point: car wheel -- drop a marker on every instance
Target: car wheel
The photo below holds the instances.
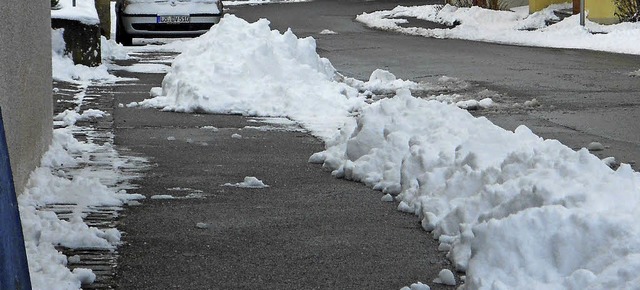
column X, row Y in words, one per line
column 121, row 35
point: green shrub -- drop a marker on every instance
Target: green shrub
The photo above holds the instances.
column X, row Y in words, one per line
column 628, row 10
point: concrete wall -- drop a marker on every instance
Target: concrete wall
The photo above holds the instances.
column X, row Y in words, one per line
column 25, row 83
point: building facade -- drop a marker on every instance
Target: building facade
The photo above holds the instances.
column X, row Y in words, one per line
column 25, row 83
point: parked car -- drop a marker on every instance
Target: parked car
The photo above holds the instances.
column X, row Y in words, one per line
column 165, row 18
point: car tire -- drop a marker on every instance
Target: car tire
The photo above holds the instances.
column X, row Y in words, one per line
column 121, row 35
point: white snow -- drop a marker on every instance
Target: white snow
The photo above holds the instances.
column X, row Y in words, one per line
column 249, row 182
column 387, row 198
column 274, row 74
column 328, row 32
column 236, row 136
column 70, row 117
column 513, row 210
column 75, row 176
column 162, row 196
column 595, row 146
column 500, row 200
column 202, row 225
column 212, row 128
column 510, row 27
column 445, row 277
column 84, row 11
column 59, row 181
column 65, row 70
column 417, row 286
column 155, row 68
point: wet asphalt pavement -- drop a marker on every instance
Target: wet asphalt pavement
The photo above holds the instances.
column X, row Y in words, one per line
column 309, row 230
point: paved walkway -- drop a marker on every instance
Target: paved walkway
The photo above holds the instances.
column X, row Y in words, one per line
column 308, row 230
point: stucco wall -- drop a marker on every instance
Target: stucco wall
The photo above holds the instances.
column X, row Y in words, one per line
column 25, row 83
column 602, row 11
column 537, row 5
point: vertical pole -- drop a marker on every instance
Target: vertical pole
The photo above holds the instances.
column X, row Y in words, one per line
column 74, row 3
column 14, row 271
column 582, row 16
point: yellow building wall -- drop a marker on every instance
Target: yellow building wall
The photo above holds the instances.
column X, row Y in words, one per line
column 601, row 11
column 537, row 5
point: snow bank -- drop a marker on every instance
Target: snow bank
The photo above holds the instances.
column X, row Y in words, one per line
column 63, row 68
column 510, row 27
column 84, row 11
column 513, row 210
column 243, row 68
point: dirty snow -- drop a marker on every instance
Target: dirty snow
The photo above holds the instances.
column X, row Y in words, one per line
column 78, row 176
column 59, row 181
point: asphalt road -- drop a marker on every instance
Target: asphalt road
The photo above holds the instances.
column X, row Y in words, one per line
column 308, row 230
column 585, row 96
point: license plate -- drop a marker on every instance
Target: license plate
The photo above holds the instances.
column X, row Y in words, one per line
column 172, row 19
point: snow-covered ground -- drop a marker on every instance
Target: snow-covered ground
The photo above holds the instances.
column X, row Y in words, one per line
column 75, row 179
column 510, row 27
column 511, row 210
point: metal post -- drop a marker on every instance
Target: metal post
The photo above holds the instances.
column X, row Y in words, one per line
column 582, row 16
column 74, row 3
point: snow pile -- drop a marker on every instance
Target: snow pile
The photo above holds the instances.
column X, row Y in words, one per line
column 63, row 68
column 244, row 68
column 83, row 11
column 513, row 210
column 249, row 182
column 110, row 50
column 510, row 27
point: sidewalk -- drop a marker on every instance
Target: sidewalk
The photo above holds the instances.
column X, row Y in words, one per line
column 307, row 230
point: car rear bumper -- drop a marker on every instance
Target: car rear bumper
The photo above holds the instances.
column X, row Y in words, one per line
column 148, row 26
